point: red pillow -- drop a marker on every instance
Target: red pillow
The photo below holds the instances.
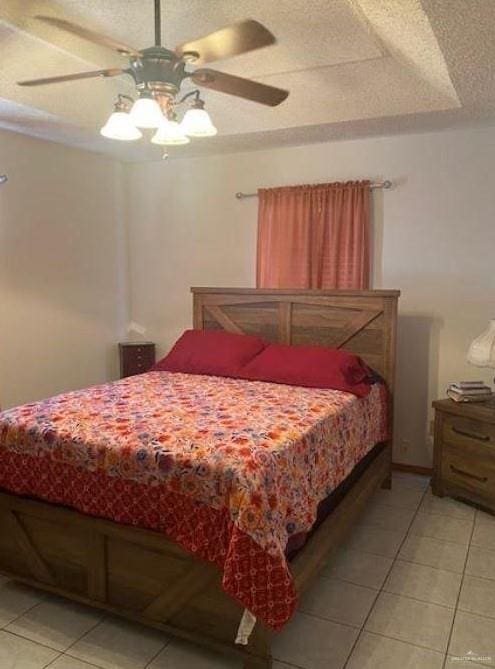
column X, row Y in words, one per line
column 214, row 352
column 312, row 367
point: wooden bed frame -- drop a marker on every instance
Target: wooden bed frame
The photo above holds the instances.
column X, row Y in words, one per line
column 141, row 575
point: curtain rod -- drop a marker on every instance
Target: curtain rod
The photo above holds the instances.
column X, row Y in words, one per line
column 379, row 184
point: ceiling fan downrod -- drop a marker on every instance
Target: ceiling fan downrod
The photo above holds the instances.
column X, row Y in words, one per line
column 158, row 24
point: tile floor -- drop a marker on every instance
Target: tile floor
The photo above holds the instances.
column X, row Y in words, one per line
column 413, row 588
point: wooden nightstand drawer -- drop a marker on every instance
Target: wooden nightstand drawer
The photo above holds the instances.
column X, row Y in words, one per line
column 470, row 467
column 131, row 367
column 142, row 350
column 465, row 431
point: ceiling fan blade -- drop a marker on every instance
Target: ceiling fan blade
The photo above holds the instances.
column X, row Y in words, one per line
column 72, row 77
column 91, row 35
column 229, row 41
column 242, row 88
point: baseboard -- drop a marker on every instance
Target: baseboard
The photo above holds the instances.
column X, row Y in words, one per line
column 412, row 469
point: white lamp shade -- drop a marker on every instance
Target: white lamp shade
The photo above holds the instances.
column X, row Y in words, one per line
column 120, row 126
column 482, row 351
column 146, row 113
column 170, row 133
column 197, row 123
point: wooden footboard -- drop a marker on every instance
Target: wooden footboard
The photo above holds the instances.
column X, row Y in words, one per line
column 131, row 572
column 141, row 575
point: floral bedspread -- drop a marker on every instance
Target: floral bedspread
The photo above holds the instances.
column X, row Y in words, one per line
column 228, row 468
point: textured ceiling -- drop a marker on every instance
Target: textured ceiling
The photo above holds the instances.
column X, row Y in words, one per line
column 353, row 68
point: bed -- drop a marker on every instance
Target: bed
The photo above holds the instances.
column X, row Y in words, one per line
column 197, row 586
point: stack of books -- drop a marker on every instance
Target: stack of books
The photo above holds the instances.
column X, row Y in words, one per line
column 469, row 391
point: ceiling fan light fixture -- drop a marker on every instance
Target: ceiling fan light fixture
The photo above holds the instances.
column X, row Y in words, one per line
column 120, row 126
column 170, row 133
column 146, row 113
column 197, row 123
column 158, row 74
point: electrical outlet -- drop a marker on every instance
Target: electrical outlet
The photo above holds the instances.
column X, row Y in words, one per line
column 404, row 446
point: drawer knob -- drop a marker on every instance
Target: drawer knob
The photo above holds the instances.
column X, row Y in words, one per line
column 472, row 435
column 461, row 472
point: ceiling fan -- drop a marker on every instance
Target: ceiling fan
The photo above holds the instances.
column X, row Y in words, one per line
column 159, row 73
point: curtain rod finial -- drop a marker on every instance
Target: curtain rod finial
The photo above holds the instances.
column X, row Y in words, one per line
column 239, row 195
column 387, row 184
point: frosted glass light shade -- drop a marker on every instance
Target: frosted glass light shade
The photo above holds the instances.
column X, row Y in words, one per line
column 170, row 133
column 197, row 123
column 120, row 126
column 146, row 113
column 482, row 351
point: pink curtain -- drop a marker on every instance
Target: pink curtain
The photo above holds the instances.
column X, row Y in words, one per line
column 314, row 236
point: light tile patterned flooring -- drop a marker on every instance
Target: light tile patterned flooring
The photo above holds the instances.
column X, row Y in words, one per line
column 413, row 588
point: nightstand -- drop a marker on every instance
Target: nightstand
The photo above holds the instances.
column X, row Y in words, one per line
column 464, row 455
column 136, row 357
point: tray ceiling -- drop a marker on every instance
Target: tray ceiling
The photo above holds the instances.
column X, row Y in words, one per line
column 353, row 68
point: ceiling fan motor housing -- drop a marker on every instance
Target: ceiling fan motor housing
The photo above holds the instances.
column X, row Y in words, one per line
column 158, row 70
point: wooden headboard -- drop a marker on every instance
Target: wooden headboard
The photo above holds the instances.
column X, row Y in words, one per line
column 361, row 321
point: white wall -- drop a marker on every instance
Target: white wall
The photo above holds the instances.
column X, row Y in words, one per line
column 62, row 268
column 435, row 240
